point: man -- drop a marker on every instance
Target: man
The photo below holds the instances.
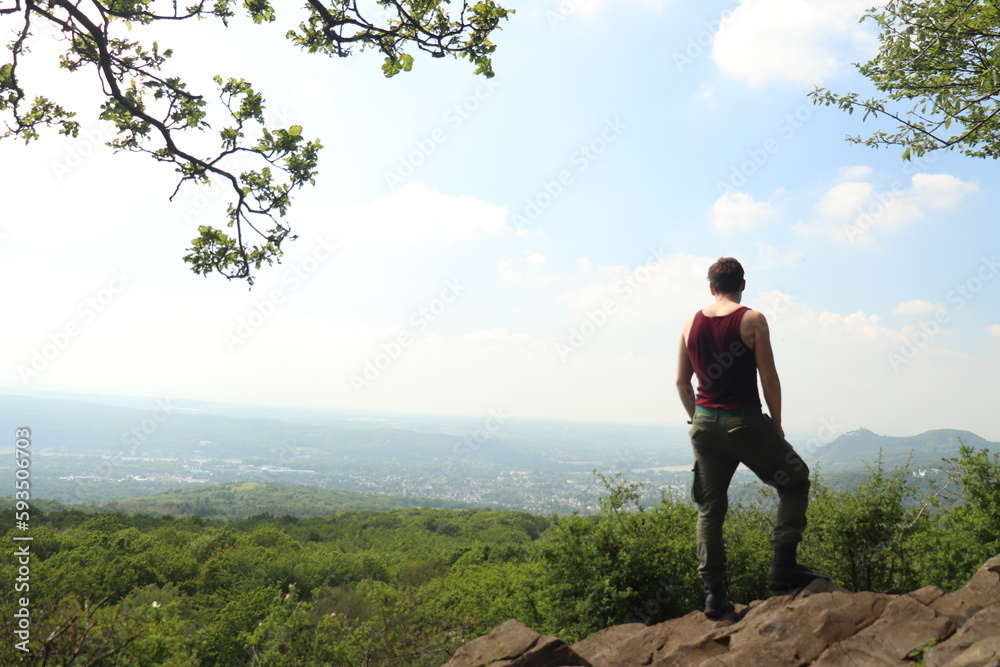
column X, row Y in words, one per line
column 725, row 345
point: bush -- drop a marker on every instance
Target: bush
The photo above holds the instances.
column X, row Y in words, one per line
column 627, row 564
column 860, row 537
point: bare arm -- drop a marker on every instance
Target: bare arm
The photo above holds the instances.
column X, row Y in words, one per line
column 684, row 372
column 760, row 340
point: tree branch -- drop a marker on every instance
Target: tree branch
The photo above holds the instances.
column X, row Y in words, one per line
column 151, row 110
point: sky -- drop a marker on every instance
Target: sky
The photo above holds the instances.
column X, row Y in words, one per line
column 528, row 245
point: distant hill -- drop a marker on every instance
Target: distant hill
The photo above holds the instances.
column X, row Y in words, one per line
column 175, row 429
column 244, row 499
column 853, row 450
column 192, row 429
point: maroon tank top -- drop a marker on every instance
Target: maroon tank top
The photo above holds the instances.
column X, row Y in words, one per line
column 725, row 367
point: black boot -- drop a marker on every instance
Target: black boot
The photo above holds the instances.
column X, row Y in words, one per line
column 717, row 601
column 786, row 573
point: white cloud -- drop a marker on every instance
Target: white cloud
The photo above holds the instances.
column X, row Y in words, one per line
column 855, row 211
column 587, row 8
column 833, row 366
column 658, row 289
column 706, row 93
column 941, row 190
column 525, row 271
column 811, row 229
column 917, row 307
column 769, row 257
column 993, row 330
column 858, row 325
column 844, row 199
column 801, row 41
column 737, row 211
column 854, row 173
column 415, row 213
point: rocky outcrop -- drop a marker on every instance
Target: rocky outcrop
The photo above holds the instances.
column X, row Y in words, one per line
column 821, row 625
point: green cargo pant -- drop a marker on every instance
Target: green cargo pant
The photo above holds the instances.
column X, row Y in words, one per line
column 720, row 444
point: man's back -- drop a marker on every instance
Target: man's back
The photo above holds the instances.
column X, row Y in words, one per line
column 724, row 365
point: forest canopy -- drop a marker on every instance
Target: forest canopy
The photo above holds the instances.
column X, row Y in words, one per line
column 406, row 587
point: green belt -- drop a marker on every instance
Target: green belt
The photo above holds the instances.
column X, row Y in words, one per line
column 722, row 412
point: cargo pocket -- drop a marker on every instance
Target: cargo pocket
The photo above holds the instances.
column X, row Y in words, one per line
column 696, row 494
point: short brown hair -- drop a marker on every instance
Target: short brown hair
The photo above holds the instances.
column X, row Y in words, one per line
column 726, row 275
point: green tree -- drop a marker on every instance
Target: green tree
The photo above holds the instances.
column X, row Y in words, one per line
column 474, row 598
column 860, row 537
column 154, row 110
column 937, row 73
column 968, row 533
column 627, row 564
column 979, row 476
column 227, row 640
column 747, row 534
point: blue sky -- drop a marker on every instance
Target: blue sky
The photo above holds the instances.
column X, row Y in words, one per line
column 532, row 243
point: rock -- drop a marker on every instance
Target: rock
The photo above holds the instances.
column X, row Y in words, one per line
column 799, row 629
column 905, row 624
column 513, row 644
column 821, row 625
column 985, row 653
column 985, row 624
column 600, row 647
column 927, row 594
column 981, row 591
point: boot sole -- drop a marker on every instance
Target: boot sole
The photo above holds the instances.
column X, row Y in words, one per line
column 719, row 613
column 787, row 586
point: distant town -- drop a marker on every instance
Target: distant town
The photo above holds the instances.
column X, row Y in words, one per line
column 86, row 452
column 79, row 478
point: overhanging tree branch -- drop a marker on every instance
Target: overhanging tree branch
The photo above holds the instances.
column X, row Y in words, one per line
column 152, row 112
column 938, row 67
